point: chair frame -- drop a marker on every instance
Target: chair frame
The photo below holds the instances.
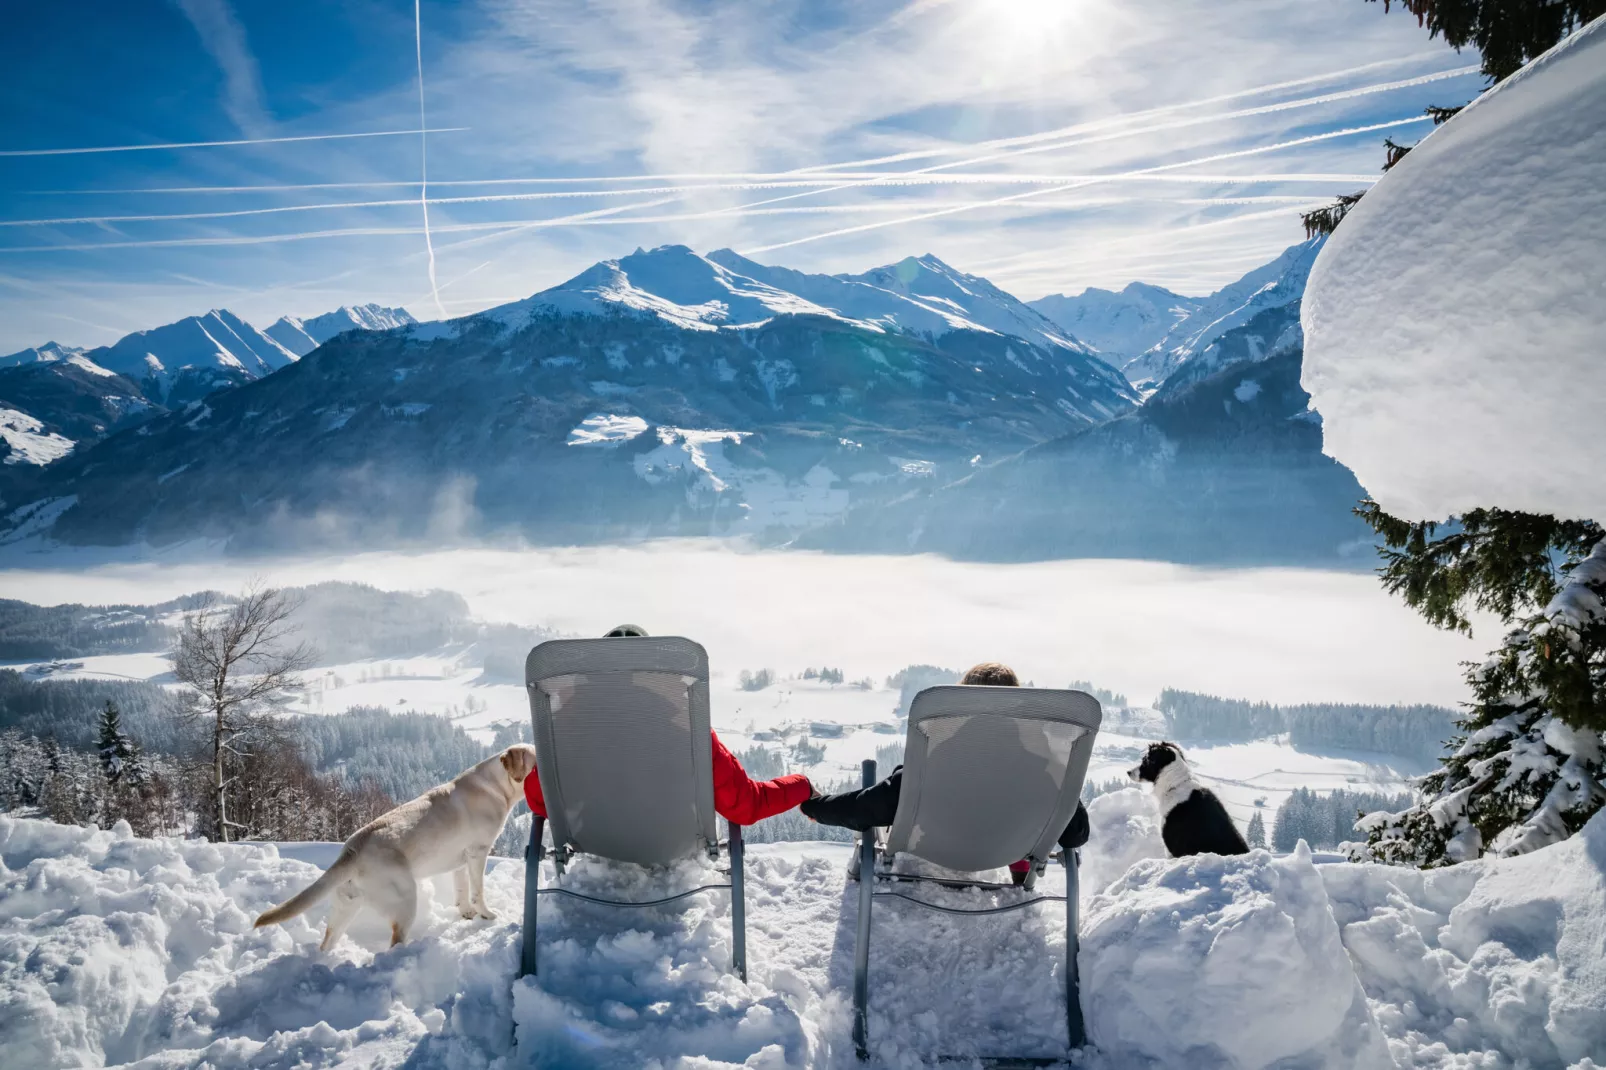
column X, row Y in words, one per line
column 536, row 851
column 873, row 859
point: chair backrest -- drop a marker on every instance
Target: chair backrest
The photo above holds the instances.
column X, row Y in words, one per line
column 991, row 775
column 622, row 745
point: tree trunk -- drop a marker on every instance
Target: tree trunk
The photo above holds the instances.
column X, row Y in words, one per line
column 217, row 779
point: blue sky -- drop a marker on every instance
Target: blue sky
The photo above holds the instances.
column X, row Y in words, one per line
column 1047, row 144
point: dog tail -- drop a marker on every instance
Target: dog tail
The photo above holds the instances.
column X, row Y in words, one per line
column 315, row 892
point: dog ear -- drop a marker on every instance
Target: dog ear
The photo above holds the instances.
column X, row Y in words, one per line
column 519, row 761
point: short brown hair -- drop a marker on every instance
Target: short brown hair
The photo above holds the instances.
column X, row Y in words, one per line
column 993, row 673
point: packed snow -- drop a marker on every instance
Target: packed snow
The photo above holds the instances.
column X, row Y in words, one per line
column 116, row 950
column 1454, row 321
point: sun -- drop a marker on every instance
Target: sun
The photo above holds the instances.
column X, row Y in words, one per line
column 1032, row 16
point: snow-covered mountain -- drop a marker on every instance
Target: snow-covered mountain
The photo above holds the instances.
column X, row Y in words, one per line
column 49, row 353
column 655, row 394
column 920, row 295
column 1135, row 315
column 1119, row 325
column 1222, row 463
column 303, row 336
column 191, row 358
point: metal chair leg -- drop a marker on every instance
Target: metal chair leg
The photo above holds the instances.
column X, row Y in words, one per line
column 532, row 885
column 861, row 943
column 1075, row 1028
column 738, row 905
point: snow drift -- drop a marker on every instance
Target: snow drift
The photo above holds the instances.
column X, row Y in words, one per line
column 1453, row 323
column 118, row 950
column 1231, row 962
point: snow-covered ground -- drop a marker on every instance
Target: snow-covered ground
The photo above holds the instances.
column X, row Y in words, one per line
column 116, row 950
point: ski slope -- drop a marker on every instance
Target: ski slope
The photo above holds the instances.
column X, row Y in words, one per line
column 121, row 951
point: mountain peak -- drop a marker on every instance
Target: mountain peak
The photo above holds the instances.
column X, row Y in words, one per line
column 303, row 336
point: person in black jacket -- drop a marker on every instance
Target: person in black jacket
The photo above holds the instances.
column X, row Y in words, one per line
column 875, row 806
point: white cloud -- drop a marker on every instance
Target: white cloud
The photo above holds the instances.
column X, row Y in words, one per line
column 224, row 39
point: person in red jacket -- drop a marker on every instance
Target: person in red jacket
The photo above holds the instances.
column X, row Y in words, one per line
column 738, row 798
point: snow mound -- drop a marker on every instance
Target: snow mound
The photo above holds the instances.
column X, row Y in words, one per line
column 1453, row 323
column 1123, row 830
column 1499, row 959
column 1224, row 961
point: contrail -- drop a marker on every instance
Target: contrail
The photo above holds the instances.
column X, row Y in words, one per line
column 423, row 157
column 502, row 228
column 911, row 180
column 836, row 168
column 1116, row 120
column 219, row 144
column 1108, row 178
column 596, row 218
column 731, row 181
column 1054, row 143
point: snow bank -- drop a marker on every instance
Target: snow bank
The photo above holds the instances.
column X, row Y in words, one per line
column 117, row 950
column 1487, row 963
column 1230, row 962
column 1453, row 323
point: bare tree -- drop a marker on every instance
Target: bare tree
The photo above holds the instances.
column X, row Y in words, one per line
column 236, row 659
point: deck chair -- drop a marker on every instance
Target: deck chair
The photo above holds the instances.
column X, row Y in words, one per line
column 991, row 775
column 622, row 748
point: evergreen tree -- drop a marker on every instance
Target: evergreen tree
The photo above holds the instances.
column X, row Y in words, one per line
column 1257, row 831
column 1506, row 33
column 119, row 757
column 1528, row 765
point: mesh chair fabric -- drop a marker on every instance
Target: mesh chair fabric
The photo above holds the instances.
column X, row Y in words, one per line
column 622, row 745
column 991, row 774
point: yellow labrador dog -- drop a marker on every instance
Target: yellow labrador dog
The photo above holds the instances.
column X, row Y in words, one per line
column 448, row 828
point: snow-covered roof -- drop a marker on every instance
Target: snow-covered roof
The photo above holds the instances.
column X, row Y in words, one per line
column 1455, row 324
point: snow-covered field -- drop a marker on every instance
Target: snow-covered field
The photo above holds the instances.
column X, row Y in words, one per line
column 848, row 724
column 118, row 951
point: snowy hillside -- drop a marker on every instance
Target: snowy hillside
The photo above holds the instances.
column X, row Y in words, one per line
column 303, row 336
column 1249, row 962
column 66, row 400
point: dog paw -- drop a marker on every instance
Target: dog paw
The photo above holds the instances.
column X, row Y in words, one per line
column 487, row 913
column 468, row 913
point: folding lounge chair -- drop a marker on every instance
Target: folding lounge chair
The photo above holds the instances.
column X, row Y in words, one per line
column 991, row 775
column 622, row 748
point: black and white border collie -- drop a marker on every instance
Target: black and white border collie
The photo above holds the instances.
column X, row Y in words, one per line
column 1192, row 819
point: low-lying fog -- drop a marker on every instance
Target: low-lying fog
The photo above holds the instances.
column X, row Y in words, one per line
column 1281, row 635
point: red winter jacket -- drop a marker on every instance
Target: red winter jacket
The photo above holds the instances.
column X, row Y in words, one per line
column 738, row 798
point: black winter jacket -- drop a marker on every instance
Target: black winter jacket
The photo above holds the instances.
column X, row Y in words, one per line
column 875, row 806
